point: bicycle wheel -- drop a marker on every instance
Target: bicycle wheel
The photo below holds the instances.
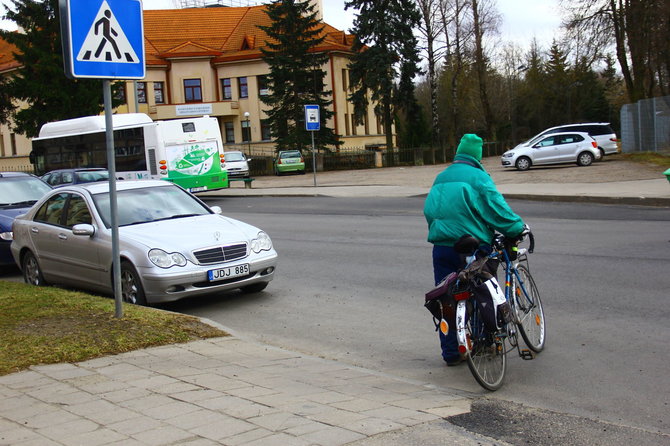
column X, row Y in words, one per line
column 487, row 359
column 528, row 310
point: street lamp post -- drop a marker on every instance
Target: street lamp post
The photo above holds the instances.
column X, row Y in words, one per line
column 248, row 135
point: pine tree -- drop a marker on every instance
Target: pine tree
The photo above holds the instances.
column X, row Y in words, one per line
column 41, row 82
column 385, row 49
column 296, row 75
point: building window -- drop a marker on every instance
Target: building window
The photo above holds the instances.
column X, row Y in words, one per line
column 266, row 132
column 353, row 124
column 345, row 83
column 366, row 124
column 192, row 90
column 2, row 145
column 244, row 88
column 246, row 131
column 230, row 131
column 141, row 92
column 346, row 124
column 226, row 89
column 159, row 93
column 379, row 124
column 263, row 89
column 120, row 93
column 12, row 142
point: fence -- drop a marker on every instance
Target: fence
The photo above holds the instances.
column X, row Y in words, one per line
column 361, row 158
column 27, row 168
column 645, row 125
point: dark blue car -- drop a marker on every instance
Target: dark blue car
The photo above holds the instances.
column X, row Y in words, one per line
column 18, row 192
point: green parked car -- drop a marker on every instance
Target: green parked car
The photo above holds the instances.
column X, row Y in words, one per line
column 289, row 161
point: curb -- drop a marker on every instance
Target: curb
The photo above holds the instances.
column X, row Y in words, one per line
column 626, row 201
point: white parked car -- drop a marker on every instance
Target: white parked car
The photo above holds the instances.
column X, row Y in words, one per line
column 237, row 164
column 572, row 147
column 172, row 245
column 602, row 132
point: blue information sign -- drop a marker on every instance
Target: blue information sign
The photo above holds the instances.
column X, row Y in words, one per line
column 312, row 121
column 103, row 39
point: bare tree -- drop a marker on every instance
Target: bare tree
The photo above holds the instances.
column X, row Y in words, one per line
column 431, row 28
column 457, row 36
column 485, row 19
column 639, row 31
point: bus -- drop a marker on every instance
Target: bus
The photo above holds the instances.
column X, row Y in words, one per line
column 187, row 152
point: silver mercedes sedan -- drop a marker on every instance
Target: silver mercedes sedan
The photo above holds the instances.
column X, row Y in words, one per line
column 172, row 245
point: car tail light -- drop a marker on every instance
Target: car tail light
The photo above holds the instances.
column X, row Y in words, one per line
column 613, row 139
column 279, row 161
column 594, row 144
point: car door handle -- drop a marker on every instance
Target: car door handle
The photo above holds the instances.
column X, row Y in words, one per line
column 34, row 230
column 62, row 236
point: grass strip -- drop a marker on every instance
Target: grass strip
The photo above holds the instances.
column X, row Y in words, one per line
column 46, row 325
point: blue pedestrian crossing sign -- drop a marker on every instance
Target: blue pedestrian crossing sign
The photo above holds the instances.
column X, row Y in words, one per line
column 312, row 121
column 103, row 39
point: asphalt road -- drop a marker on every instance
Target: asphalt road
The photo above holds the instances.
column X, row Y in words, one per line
column 353, row 272
column 350, row 287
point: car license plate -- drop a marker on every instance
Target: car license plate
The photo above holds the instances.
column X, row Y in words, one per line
column 228, row 273
column 198, row 189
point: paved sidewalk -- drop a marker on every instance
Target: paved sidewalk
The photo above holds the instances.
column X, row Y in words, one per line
column 223, row 391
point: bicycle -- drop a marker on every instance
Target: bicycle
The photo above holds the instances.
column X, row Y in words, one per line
column 485, row 346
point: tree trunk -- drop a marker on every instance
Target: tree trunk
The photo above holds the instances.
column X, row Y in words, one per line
column 480, row 66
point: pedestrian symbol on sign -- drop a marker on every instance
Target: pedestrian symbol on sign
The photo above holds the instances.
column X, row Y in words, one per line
column 106, row 41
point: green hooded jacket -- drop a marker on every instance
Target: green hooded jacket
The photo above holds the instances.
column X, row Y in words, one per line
column 464, row 200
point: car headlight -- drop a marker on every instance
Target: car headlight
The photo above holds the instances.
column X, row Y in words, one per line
column 163, row 259
column 8, row 236
column 508, row 154
column 262, row 242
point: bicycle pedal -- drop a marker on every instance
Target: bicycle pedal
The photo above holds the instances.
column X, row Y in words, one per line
column 526, row 354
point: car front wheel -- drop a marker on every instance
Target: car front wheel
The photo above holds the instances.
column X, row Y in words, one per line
column 523, row 163
column 585, row 159
column 131, row 286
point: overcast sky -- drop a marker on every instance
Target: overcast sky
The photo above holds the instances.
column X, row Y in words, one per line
column 522, row 19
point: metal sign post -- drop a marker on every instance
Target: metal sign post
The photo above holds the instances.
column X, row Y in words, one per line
column 312, row 124
column 104, row 39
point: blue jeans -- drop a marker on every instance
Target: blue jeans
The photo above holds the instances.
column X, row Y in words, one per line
column 446, row 261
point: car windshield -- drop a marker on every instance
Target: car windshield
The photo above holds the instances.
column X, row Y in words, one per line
column 21, row 190
column 92, row 176
column 149, row 204
column 293, row 154
column 234, row 156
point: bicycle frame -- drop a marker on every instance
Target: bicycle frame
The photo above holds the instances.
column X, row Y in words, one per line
column 465, row 344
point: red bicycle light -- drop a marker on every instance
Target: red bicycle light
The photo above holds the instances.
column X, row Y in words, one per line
column 465, row 295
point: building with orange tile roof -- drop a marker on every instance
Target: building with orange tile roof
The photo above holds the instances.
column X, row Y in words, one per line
column 208, row 61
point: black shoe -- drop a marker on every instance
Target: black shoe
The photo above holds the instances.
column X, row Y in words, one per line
column 455, row 362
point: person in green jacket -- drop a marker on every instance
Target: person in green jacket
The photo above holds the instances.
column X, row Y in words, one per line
column 464, row 200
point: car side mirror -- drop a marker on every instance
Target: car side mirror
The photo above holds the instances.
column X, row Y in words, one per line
column 216, row 209
column 83, row 229
column 248, row 159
